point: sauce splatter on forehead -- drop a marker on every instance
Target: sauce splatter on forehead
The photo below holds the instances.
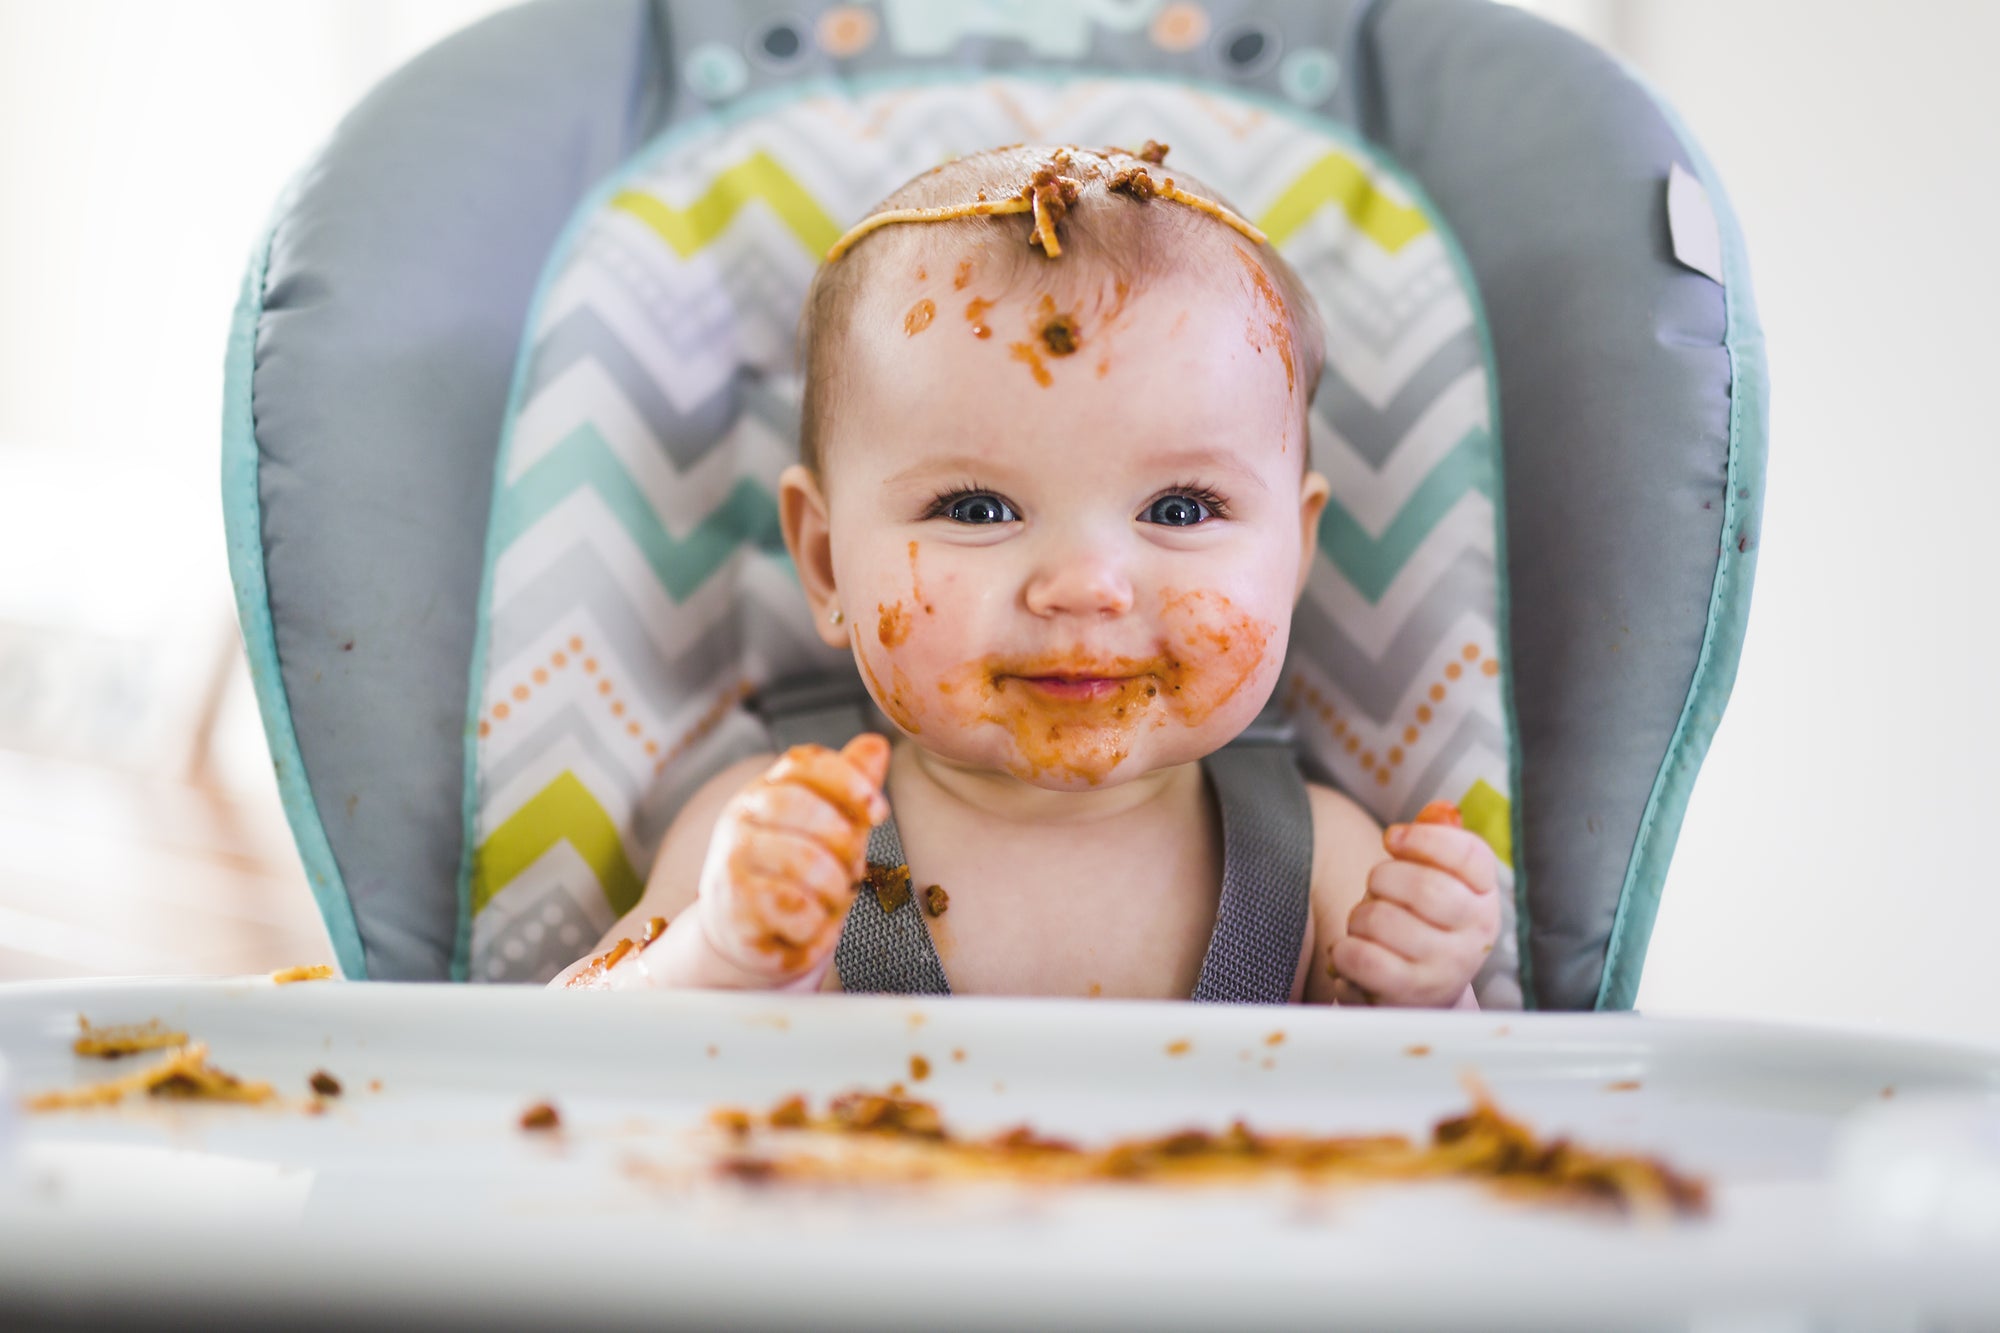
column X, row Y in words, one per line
column 1032, row 356
column 919, row 317
column 1270, row 322
column 1057, row 329
column 975, row 315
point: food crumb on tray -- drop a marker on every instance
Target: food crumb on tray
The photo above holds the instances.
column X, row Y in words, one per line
column 311, row 972
column 325, row 1084
column 185, row 1074
column 111, row 1042
column 541, row 1116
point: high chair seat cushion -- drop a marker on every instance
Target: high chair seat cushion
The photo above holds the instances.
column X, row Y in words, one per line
column 638, row 591
column 607, row 206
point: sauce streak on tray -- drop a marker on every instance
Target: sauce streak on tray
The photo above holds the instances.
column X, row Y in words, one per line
column 908, row 1141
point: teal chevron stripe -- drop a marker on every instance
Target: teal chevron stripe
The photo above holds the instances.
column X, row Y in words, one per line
column 747, row 515
column 1372, row 563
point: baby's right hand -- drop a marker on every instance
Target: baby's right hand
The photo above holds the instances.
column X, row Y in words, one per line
column 786, row 855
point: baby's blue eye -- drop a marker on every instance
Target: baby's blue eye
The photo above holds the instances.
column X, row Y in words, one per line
column 1177, row 511
column 980, row 508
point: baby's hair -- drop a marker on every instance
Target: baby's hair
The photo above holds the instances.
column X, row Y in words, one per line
column 1049, row 193
column 1102, row 210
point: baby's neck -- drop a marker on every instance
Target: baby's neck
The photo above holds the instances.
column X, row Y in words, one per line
column 1002, row 797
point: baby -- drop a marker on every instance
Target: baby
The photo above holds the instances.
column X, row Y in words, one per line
column 1055, row 499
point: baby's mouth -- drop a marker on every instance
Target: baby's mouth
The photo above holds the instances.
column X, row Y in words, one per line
column 1084, row 681
column 1077, row 687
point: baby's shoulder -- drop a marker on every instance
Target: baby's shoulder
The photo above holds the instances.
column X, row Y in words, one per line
column 704, row 807
column 1347, row 842
column 678, row 862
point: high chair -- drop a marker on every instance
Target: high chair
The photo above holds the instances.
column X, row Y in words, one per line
column 512, row 378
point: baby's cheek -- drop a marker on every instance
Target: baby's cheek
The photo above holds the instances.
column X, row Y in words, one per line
column 891, row 686
column 1220, row 657
column 895, row 647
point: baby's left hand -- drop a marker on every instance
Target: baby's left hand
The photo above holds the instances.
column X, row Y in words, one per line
column 1429, row 917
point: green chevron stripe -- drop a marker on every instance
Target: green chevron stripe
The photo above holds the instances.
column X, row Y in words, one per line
column 1338, row 179
column 747, row 515
column 563, row 811
column 1490, row 815
column 757, row 176
column 1372, row 563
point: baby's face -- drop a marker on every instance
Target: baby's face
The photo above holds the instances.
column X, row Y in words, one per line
column 1067, row 534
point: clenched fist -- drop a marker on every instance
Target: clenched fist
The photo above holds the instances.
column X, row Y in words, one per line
column 1430, row 916
column 785, row 856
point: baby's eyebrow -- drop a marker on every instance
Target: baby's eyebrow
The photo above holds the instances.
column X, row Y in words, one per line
column 1182, row 464
column 1204, row 460
column 929, row 466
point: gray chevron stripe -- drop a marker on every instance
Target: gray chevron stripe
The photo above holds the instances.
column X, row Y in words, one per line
column 579, row 579
column 1375, row 432
column 773, row 402
column 523, row 944
column 736, row 279
column 1472, row 730
column 683, row 304
column 584, row 336
column 569, row 721
column 768, row 293
column 1380, row 318
column 738, row 736
column 1377, row 684
column 548, row 598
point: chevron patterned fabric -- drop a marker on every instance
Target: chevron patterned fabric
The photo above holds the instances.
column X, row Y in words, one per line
column 638, row 590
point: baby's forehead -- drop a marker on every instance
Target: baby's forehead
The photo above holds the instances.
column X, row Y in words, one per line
column 944, row 348
column 996, row 268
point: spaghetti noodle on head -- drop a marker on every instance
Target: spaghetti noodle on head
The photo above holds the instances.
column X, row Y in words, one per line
column 1063, row 217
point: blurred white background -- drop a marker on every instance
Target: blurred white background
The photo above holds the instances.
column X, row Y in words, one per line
column 1831, row 869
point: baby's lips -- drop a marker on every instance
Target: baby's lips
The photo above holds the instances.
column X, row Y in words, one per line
column 869, row 754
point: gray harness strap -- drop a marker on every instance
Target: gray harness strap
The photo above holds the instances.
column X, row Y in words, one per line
column 1267, row 843
column 888, row 952
column 1267, row 848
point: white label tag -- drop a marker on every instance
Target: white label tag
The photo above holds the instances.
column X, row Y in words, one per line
column 1691, row 223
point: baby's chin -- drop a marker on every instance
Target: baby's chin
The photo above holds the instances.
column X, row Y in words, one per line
column 1095, row 761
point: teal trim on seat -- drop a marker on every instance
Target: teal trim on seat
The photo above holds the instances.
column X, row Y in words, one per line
column 243, row 529
column 1729, row 599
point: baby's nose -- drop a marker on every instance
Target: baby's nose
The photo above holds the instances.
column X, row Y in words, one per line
column 1078, row 583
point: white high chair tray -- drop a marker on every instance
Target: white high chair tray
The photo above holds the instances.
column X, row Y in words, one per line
column 1841, row 1182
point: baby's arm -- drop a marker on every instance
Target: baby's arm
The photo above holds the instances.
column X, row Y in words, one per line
column 1411, row 930
column 755, row 876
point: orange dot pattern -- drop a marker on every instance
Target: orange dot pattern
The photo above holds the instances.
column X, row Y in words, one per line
column 1303, row 698
column 541, row 677
column 560, row 661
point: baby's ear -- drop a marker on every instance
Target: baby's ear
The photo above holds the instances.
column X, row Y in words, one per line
column 1312, row 502
column 802, row 518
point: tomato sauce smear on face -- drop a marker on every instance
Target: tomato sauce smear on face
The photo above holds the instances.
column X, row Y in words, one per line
column 1074, row 715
